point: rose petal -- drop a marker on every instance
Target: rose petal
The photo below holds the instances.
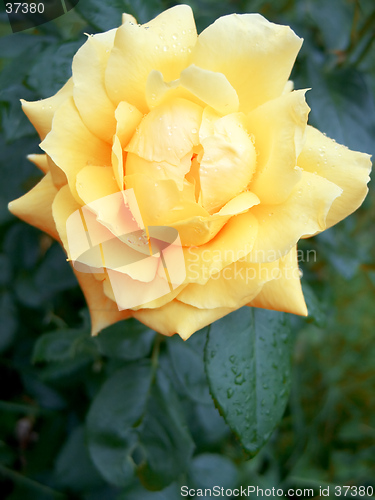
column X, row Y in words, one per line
column 103, row 311
column 72, row 146
column 234, row 242
column 177, row 317
column 58, row 176
column 163, row 44
column 278, row 127
column 228, row 162
column 211, row 88
column 168, row 133
column 161, row 203
column 153, row 304
column 347, row 169
column 117, row 157
column 128, row 118
column 283, row 293
column 158, row 90
column 303, row 213
column 35, row 207
column 41, row 113
column 62, row 207
column 40, row 161
column 89, row 92
column 255, row 55
column 238, row 282
column 95, row 182
column 240, row 204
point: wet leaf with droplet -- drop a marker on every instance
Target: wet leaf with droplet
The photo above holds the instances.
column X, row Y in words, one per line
column 247, row 359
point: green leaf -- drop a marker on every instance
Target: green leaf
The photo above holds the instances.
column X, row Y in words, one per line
column 9, row 321
column 210, row 469
column 129, row 340
column 188, row 367
column 12, row 185
column 164, row 438
column 314, row 307
column 118, row 407
column 5, row 270
column 247, row 359
column 66, row 471
column 105, row 16
column 53, row 67
column 207, row 425
column 21, row 60
column 12, row 46
column 54, row 274
column 138, row 492
column 333, row 20
column 61, row 345
column 13, row 120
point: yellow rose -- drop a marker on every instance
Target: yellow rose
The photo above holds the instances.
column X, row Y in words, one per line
column 208, row 135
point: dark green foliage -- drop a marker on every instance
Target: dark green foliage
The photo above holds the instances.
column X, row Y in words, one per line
column 127, row 413
column 249, row 372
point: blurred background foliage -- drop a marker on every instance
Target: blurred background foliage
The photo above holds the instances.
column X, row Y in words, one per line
column 64, row 396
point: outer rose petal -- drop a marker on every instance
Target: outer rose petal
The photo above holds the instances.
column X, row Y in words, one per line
column 279, row 128
column 41, row 161
column 62, row 207
column 58, row 176
column 177, row 317
column 132, row 293
column 153, row 304
column 235, row 283
column 95, row 182
column 35, row 207
column 103, row 311
column 163, row 44
column 303, row 213
column 89, row 92
column 234, row 242
column 72, row 146
column 255, row 55
column 347, row 169
column 283, row 293
column 41, row 113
